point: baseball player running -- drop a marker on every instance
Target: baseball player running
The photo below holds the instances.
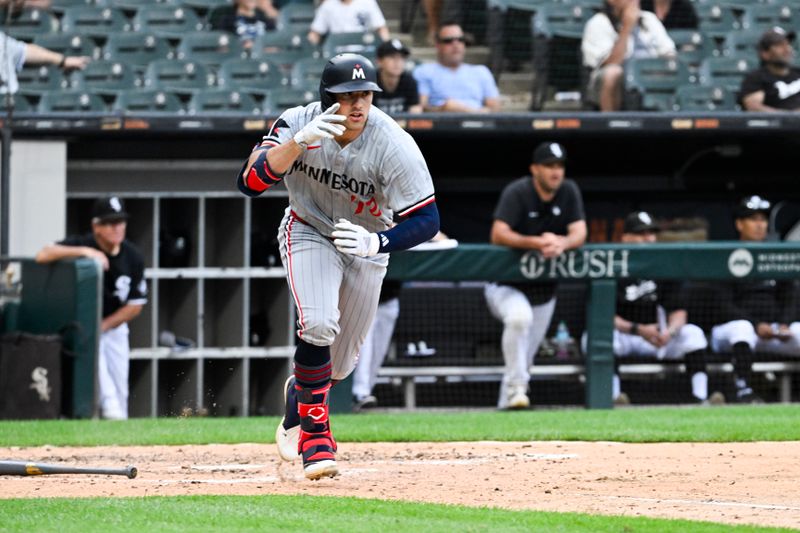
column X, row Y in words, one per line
column 349, row 169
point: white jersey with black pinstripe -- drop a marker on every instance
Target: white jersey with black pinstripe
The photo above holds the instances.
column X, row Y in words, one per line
column 379, row 174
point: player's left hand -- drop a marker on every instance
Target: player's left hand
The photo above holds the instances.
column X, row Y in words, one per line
column 352, row 239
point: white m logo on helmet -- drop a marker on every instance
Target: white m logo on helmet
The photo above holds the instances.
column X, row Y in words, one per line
column 358, row 73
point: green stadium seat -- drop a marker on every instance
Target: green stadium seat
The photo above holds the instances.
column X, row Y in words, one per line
column 564, row 20
column 19, row 103
column 105, row 77
column 741, row 43
column 286, row 97
column 365, row 43
column 73, row 44
column 204, row 7
column 136, row 49
column 284, row 47
column 71, row 102
column 95, row 21
column 252, row 75
column 38, row 79
column 58, row 6
column 223, row 101
column 716, row 19
column 692, row 46
column 30, row 24
column 178, row 76
column 148, row 101
column 764, row 16
column 307, row 72
column 168, row 21
column 209, row 47
column 726, row 71
column 704, row 98
column 650, row 83
column 296, row 15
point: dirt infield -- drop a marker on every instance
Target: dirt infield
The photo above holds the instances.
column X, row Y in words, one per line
column 742, row 483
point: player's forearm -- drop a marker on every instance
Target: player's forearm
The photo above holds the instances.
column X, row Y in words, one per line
column 676, row 320
column 55, row 252
column 512, row 239
column 36, row 55
column 120, row 316
column 576, row 235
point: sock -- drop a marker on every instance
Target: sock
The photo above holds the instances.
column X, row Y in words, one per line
column 700, row 385
column 312, row 365
column 742, row 364
column 696, row 368
column 616, row 387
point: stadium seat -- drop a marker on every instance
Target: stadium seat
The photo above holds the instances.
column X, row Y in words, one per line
column 557, row 32
column 19, row 103
column 764, row 16
column 71, row 102
column 95, row 21
column 38, row 79
column 168, row 21
column 72, row 44
column 136, row 49
column 716, row 19
column 284, row 47
column 105, row 77
column 30, row 24
column 306, row 73
column 650, row 83
column 250, row 75
column 147, row 101
column 356, row 42
column 58, row 6
column 223, row 101
column 692, row 46
column 741, row 44
column 725, row 71
column 209, row 47
column 178, row 76
column 704, row 98
column 286, row 97
column 296, row 15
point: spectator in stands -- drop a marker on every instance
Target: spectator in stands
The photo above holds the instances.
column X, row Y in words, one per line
column 243, row 19
column 622, row 31
column 651, row 320
column 346, row 16
column 271, row 8
column 124, row 295
column 543, row 212
column 449, row 84
column 755, row 315
column 673, row 14
column 400, row 94
column 16, row 54
column 775, row 85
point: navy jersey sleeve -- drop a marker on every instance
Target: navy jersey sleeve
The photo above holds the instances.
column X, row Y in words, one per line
column 510, row 208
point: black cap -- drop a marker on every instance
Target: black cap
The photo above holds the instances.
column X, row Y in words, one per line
column 109, row 209
column 773, row 36
column 751, row 205
column 392, row 46
column 640, row 222
column 549, row 152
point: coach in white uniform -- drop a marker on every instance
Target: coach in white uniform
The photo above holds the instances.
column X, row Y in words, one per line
column 544, row 212
column 124, row 295
column 350, row 170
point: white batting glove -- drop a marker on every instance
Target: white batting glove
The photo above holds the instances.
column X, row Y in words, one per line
column 354, row 240
column 323, row 126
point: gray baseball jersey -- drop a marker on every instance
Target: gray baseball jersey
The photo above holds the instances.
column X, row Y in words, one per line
column 380, row 174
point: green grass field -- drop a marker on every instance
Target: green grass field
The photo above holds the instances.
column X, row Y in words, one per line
column 274, row 513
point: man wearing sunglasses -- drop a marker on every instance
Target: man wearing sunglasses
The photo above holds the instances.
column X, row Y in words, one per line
column 450, row 85
column 755, row 315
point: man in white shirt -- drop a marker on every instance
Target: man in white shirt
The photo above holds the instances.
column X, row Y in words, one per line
column 620, row 32
column 347, row 16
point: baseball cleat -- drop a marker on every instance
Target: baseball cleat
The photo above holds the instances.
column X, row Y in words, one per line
column 287, row 438
column 321, row 469
column 517, row 398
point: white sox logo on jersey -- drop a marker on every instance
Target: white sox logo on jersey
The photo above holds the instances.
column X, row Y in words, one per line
column 123, row 285
column 358, row 72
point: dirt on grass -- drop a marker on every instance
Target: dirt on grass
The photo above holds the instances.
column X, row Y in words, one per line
column 740, row 483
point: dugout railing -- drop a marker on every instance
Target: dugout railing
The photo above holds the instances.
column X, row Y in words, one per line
column 599, row 266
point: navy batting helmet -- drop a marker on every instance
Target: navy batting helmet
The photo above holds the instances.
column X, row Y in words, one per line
column 346, row 73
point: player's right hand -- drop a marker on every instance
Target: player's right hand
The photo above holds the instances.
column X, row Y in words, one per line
column 324, row 126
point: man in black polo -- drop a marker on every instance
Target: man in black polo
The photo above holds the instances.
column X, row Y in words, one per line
column 541, row 211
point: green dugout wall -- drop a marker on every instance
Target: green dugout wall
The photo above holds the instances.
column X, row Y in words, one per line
column 601, row 266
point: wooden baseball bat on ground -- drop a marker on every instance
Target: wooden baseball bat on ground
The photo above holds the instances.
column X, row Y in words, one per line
column 24, row 468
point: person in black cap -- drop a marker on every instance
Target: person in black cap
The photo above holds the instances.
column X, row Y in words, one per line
column 542, row 211
column 124, row 295
column 400, row 94
column 775, row 85
column 651, row 320
column 754, row 315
